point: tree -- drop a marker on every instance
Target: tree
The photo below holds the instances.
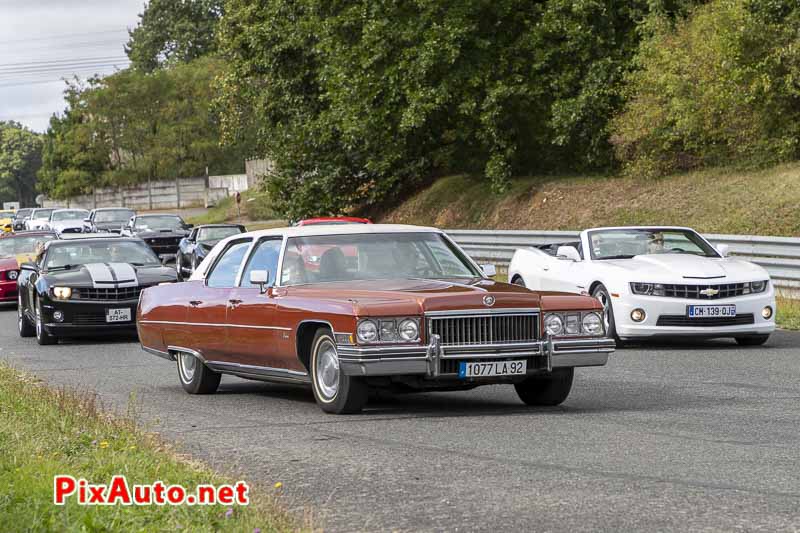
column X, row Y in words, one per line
column 20, row 159
column 360, row 102
column 171, row 31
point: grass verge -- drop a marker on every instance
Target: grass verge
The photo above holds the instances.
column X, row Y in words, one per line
column 718, row 200
column 255, row 206
column 788, row 313
column 45, row 431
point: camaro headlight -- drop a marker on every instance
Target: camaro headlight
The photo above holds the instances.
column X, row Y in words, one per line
column 380, row 330
column 574, row 323
column 553, row 325
column 758, row 286
column 592, row 324
column 647, row 289
column 62, row 293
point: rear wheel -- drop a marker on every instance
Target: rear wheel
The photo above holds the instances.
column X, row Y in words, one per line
column 42, row 336
column 334, row 391
column 195, row 376
column 547, row 389
column 24, row 325
column 601, row 293
column 754, row 340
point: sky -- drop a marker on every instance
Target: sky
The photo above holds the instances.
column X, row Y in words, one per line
column 44, row 41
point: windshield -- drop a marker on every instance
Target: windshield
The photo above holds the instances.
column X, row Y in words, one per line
column 22, row 213
column 81, row 253
column 69, row 215
column 158, row 223
column 216, row 234
column 372, row 256
column 11, row 247
column 42, row 214
column 627, row 243
column 113, row 215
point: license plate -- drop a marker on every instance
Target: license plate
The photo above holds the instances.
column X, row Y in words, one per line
column 118, row 315
column 705, row 311
column 492, row 368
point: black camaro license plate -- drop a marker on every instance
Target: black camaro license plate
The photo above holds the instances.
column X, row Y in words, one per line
column 118, row 315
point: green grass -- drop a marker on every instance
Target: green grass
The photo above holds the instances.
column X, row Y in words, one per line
column 45, row 431
column 719, row 200
column 788, row 313
column 255, row 207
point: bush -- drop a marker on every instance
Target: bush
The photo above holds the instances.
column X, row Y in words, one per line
column 716, row 88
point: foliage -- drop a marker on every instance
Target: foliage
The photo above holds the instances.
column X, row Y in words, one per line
column 133, row 126
column 20, row 159
column 171, row 32
column 719, row 87
column 46, row 432
column 359, row 102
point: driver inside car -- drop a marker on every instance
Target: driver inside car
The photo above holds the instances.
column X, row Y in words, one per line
column 655, row 244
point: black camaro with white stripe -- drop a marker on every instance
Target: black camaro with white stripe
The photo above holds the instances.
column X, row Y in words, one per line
column 86, row 287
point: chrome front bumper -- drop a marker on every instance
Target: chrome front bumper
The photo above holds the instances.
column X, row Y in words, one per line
column 425, row 360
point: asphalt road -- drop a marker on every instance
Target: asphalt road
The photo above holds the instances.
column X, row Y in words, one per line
column 679, row 437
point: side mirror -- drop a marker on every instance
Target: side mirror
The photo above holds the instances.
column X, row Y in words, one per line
column 568, row 252
column 723, row 249
column 489, row 270
column 30, row 267
column 189, row 226
column 260, row 278
column 87, row 220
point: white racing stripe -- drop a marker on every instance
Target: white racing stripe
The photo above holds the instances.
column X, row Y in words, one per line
column 112, row 275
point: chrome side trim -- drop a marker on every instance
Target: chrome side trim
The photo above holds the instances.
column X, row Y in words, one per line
column 174, row 323
column 487, row 311
column 166, row 355
column 261, row 372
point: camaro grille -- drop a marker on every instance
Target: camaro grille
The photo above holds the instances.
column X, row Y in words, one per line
column 91, row 319
column 694, row 292
column 705, row 322
column 110, row 294
column 485, row 329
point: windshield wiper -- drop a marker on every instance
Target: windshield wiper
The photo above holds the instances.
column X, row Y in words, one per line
column 617, row 257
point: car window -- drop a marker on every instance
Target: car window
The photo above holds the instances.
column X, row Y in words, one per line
column 265, row 257
column 227, row 266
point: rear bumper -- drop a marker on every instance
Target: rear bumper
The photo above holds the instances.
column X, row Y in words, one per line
column 434, row 361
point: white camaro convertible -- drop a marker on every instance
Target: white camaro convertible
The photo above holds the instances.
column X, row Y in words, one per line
column 656, row 281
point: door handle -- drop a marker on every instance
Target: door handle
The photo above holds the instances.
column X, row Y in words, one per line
column 234, row 303
column 195, row 303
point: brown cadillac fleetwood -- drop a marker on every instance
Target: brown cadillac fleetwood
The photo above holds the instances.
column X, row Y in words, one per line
column 386, row 306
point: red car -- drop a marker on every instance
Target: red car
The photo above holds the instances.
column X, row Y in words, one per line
column 333, row 221
column 15, row 249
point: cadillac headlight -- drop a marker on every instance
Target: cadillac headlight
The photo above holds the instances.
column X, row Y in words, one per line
column 553, row 325
column 367, row 331
column 592, row 324
column 62, row 293
column 387, row 330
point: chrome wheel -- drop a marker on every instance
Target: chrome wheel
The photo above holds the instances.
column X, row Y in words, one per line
column 20, row 314
column 187, row 365
column 327, row 370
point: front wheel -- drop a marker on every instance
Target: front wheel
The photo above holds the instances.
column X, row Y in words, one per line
column 42, row 336
column 548, row 389
column 601, row 293
column 195, row 376
column 334, row 391
column 179, row 266
column 754, row 340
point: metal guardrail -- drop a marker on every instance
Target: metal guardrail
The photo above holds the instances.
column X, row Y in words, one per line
column 779, row 255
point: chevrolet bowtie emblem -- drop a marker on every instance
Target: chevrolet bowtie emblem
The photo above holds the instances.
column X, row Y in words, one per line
column 709, row 292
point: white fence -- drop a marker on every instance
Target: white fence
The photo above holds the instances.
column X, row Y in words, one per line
column 162, row 194
column 779, row 255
